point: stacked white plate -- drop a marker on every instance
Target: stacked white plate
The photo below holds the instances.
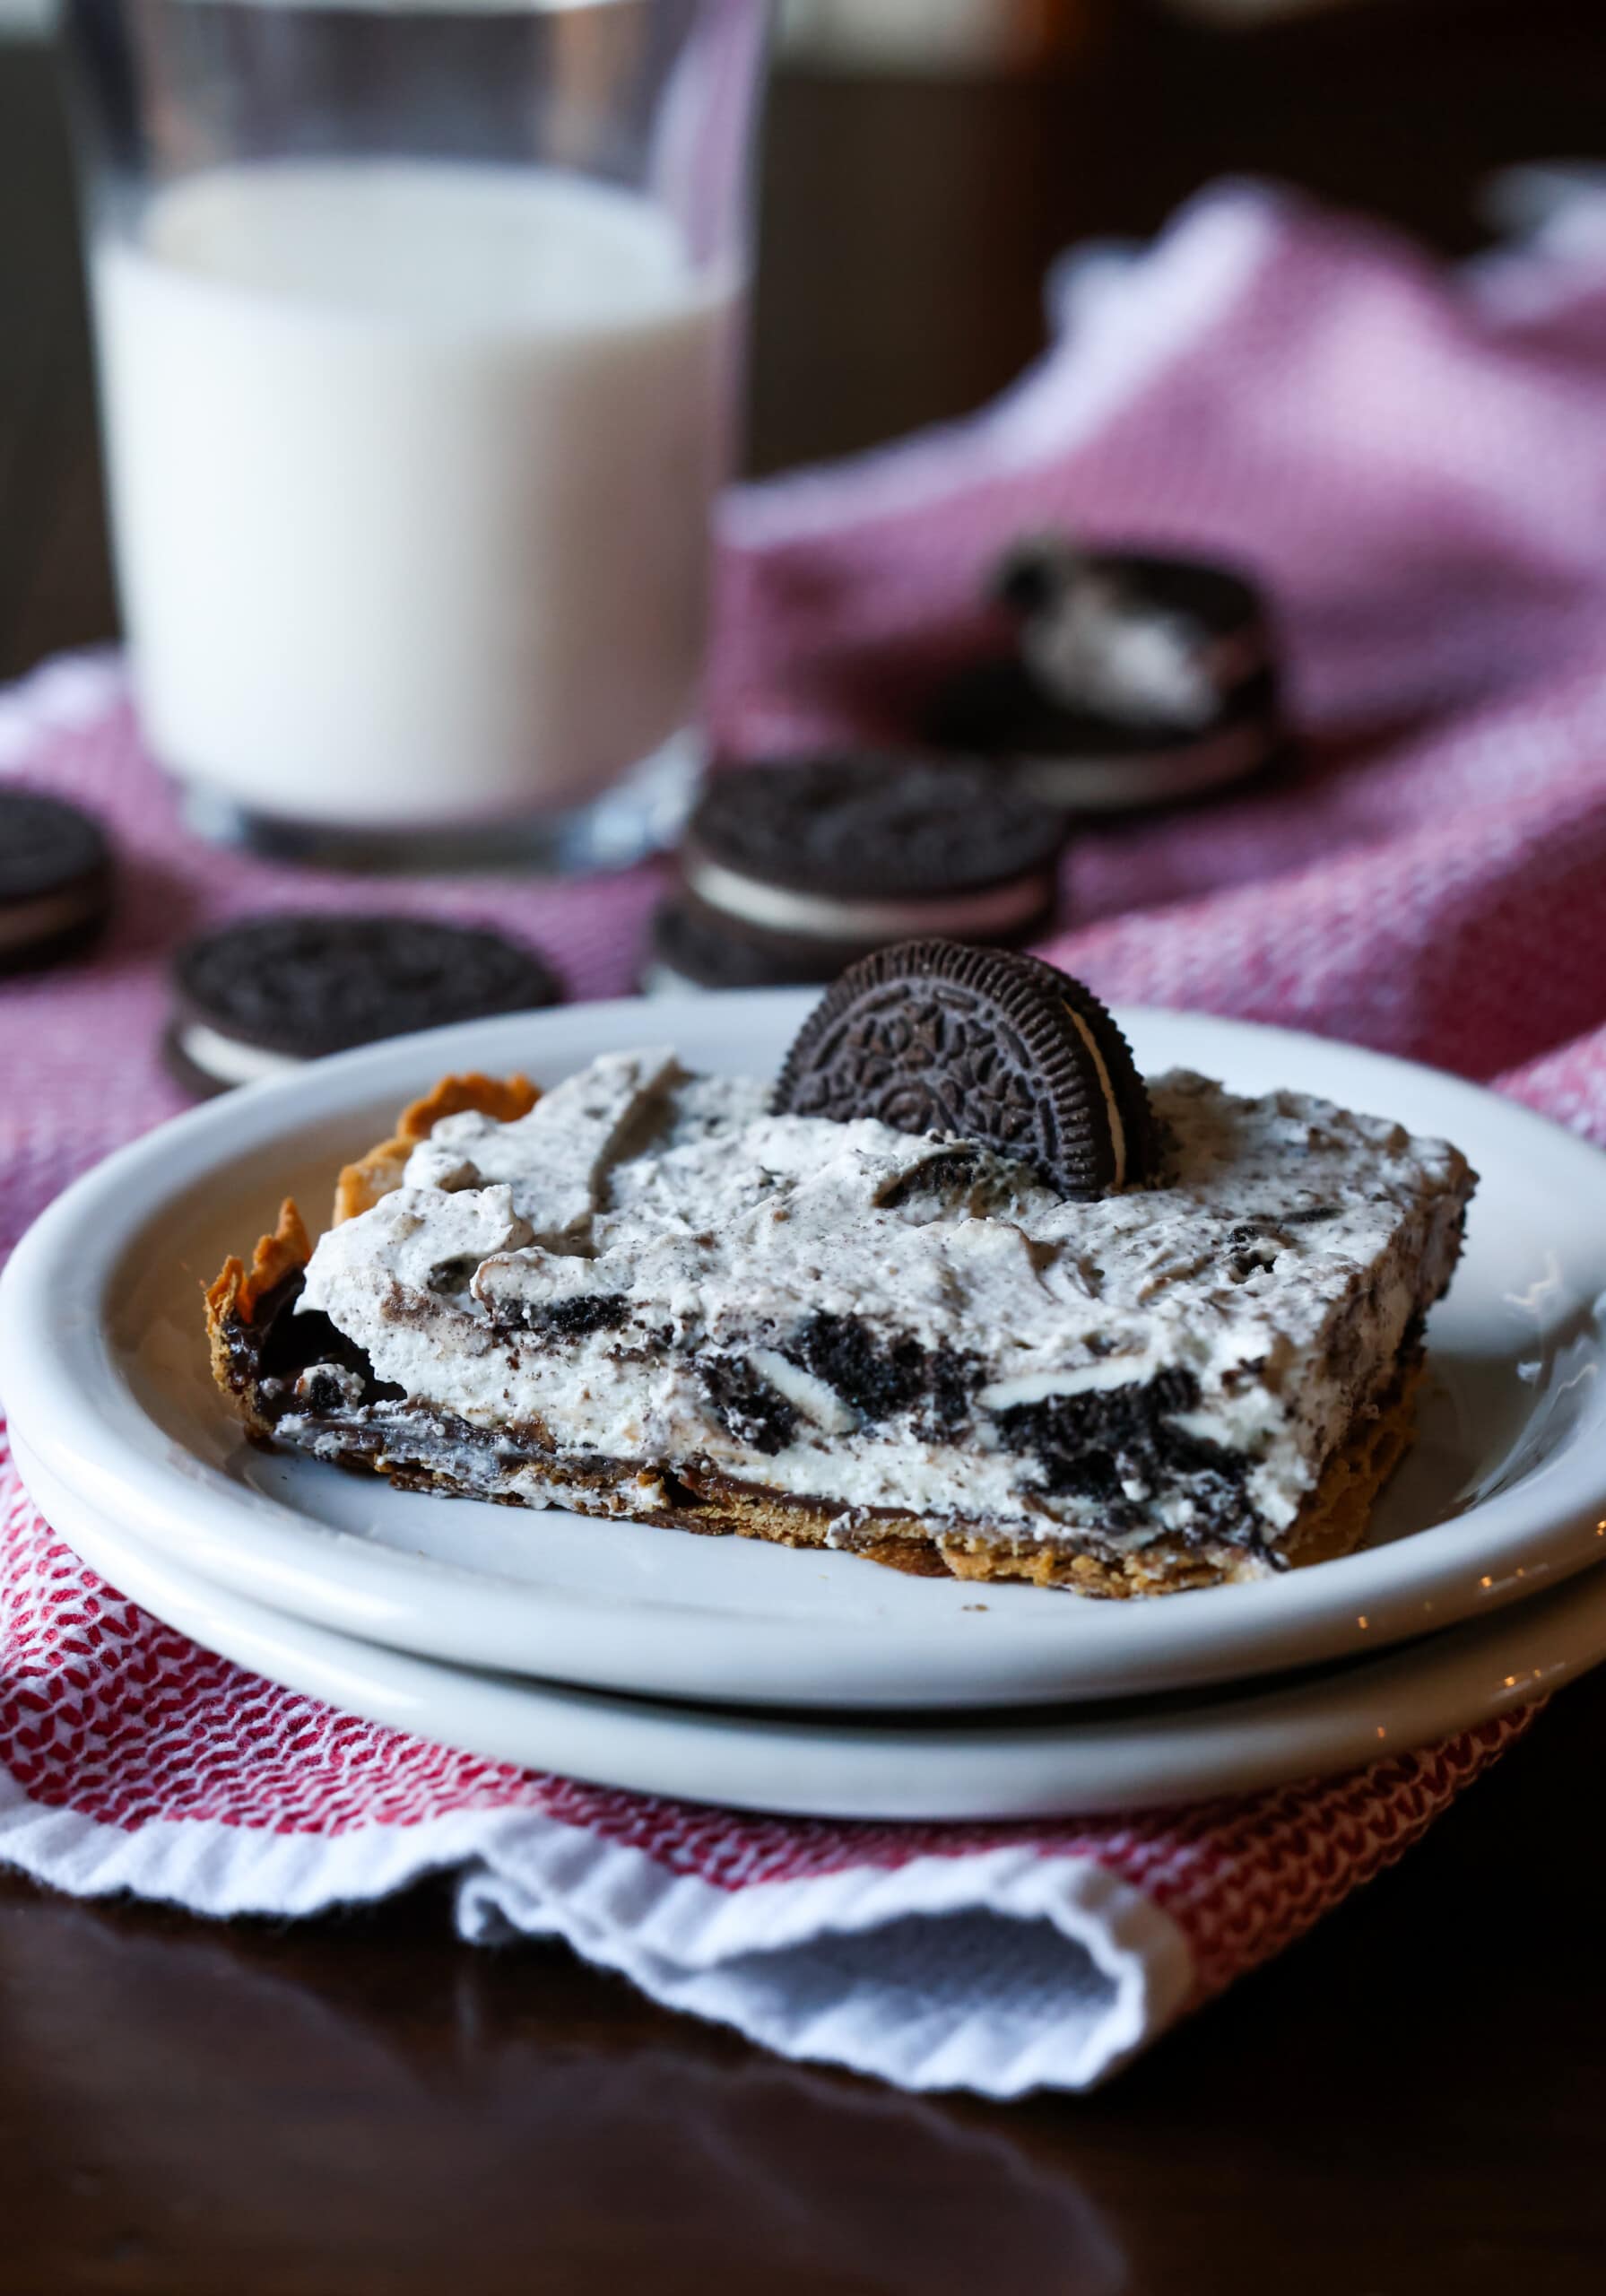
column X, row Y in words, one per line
column 727, row 1671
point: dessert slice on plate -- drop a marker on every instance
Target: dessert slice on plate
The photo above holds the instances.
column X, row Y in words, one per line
column 960, row 1292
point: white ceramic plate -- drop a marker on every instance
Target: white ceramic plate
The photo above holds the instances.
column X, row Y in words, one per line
column 1074, row 1760
column 104, row 1374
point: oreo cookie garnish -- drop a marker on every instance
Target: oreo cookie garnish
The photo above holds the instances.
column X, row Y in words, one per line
column 981, row 1044
column 262, row 995
column 55, row 879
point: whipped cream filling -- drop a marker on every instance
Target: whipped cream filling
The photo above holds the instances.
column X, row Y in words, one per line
column 650, row 1270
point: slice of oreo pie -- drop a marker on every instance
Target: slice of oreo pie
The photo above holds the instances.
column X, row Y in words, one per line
column 259, row 997
column 978, row 1044
column 55, row 879
column 1134, row 678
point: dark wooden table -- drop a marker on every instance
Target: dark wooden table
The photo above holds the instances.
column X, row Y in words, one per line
column 1415, row 2098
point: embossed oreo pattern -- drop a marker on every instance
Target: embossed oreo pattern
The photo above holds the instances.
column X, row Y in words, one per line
column 934, row 1038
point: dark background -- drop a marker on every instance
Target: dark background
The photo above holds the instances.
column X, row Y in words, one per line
column 1412, row 2100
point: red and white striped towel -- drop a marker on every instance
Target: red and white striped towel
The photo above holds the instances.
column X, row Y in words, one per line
column 1417, row 463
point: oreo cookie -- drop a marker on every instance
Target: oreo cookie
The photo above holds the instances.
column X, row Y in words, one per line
column 257, row 999
column 793, row 868
column 1134, row 679
column 56, row 879
column 987, row 1044
column 688, row 951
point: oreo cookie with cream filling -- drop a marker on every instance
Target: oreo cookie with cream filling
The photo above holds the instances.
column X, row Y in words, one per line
column 688, row 951
column 1134, row 678
column 55, row 879
column 978, row 1044
column 259, row 997
column 799, row 865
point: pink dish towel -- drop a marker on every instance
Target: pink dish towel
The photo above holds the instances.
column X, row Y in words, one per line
column 1417, row 462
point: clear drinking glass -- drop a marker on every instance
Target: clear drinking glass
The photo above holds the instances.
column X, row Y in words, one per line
column 420, row 333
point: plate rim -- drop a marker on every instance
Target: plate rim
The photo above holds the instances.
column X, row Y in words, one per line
column 1386, row 1592
column 965, row 1770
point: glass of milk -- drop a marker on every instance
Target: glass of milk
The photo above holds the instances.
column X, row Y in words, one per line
column 419, row 329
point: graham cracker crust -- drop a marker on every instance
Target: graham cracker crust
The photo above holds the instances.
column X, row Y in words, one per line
column 691, row 1496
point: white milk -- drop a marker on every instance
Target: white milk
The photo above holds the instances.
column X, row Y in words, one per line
column 411, row 472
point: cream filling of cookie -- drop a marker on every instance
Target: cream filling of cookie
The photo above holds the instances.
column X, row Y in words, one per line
column 1101, row 646
column 1112, row 1105
column 1105, row 784
column 649, row 1270
column 228, row 1059
column 46, row 914
column 825, row 916
column 659, row 980
column 1102, row 650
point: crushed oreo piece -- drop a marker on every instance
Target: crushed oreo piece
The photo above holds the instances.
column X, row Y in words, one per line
column 270, row 1355
column 578, row 1317
column 1249, row 1249
column 1092, row 1445
column 450, row 1278
column 952, row 1376
column 1255, row 1242
column 949, row 1170
column 323, row 1389
column 880, row 1379
column 937, row 1037
column 750, row 1410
